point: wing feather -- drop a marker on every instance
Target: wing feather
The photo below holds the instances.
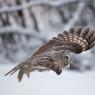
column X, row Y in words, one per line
column 76, row 40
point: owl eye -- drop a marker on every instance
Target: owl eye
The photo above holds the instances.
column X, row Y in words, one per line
column 67, row 57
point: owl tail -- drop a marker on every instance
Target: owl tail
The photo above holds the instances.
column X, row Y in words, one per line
column 20, row 75
column 21, row 72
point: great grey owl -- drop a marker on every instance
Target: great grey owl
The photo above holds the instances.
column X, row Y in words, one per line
column 55, row 54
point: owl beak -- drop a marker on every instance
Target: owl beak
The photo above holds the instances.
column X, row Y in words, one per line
column 69, row 65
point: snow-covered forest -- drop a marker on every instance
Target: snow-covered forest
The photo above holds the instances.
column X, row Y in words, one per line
column 27, row 24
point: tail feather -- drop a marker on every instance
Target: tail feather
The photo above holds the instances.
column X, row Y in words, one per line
column 20, row 75
column 16, row 68
column 13, row 70
column 22, row 68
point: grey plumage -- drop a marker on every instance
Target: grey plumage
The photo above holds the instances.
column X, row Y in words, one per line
column 55, row 54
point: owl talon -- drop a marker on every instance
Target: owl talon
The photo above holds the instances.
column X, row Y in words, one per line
column 58, row 70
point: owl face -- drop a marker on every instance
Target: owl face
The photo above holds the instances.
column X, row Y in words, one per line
column 66, row 58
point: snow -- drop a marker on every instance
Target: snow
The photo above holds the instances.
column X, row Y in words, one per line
column 47, row 83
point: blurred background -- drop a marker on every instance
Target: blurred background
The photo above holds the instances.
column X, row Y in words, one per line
column 27, row 24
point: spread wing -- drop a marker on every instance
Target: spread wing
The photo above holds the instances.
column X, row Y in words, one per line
column 76, row 40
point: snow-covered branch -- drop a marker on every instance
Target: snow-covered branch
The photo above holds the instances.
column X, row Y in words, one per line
column 33, row 3
column 75, row 16
column 17, row 29
column 22, row 31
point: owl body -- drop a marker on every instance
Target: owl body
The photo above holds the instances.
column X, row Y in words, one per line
column 55, row 60
column 55, row 54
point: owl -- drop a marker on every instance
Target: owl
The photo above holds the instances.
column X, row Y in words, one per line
column 55, row 54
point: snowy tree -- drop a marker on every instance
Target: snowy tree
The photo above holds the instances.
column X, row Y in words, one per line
column 27, row 24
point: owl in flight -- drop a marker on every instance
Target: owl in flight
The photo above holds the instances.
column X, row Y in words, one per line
column 55, row 54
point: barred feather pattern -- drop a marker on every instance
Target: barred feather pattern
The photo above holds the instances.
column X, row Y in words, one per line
column 55, row 54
